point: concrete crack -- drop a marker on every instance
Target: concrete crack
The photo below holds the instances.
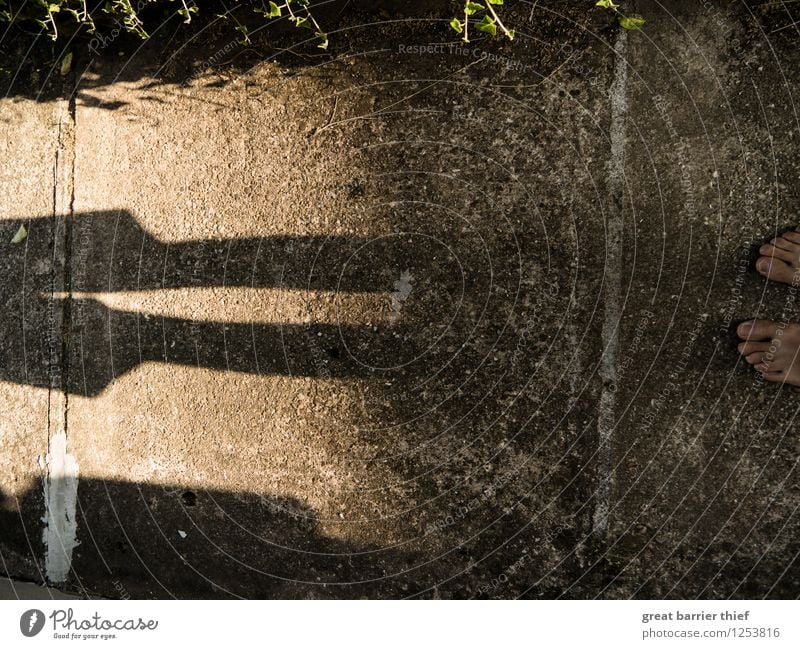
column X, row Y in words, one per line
column 61, row 481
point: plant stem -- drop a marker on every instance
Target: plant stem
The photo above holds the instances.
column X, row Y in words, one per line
column 497, row 19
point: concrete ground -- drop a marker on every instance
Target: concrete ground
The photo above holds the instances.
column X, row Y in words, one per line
column 10, row 589
column 408, row 323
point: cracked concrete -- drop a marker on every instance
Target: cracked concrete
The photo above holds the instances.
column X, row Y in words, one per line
column 554, row 409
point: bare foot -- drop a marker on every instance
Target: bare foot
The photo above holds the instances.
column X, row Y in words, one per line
column 780, row 258
column 773, row 348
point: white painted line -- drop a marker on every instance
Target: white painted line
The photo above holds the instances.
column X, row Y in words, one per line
column 60, row 497
column 613, row 275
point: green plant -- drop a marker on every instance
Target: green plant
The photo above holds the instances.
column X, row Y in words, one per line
column 125, row 13
column 301, row 18
column 484, row 18
column 632, row 22
column 489, row 22
column 50, row 14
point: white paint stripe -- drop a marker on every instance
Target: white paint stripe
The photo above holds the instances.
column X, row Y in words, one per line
column 613, row 274
column 60, row 497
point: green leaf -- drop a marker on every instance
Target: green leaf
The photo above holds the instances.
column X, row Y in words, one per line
column 53, row 9
column 66, row 64
column 632, row 22
column 495, row 2
column 487, row 25
column 324, row 38
column 299, row 21
column 608, row 4
column 245, row 40
column 456, row 24
column 274, row 10
column 472, row 7
column 19, row 237
column 510, row 34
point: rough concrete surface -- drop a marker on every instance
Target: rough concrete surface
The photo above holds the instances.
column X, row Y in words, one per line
column 402, row 324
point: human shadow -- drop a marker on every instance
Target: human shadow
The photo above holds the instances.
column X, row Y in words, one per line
column 137, row 540
column 68, row 339
column 157, row 541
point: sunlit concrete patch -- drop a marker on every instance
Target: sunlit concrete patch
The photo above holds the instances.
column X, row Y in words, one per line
column 310, row 460
column 28, row 150
column 60, row 495
column 253, row 437
column 251, row 305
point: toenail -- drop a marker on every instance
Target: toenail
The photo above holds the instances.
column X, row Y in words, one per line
column 745, row 327
column 763, row 264
column 764, row 250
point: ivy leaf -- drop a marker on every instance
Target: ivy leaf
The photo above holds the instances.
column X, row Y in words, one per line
column 66, row 64
column 242, row 29
column 608, row 4
column 324, row 38
column 19, row 237
column 632, row 22
column 495, row 2
column 274, row 10
column 487, row 25
column 456, row 24
column 472, row 7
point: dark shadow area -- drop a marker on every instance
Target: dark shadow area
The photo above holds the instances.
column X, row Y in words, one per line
column 143, row 541
column 177, row 54
column 548, row 32
column 162, row 541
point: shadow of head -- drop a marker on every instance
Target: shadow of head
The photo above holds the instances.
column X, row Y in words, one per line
column 153, row 540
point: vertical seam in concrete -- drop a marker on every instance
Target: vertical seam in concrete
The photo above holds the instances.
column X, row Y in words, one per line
column 612, row 284
column 61, row 480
